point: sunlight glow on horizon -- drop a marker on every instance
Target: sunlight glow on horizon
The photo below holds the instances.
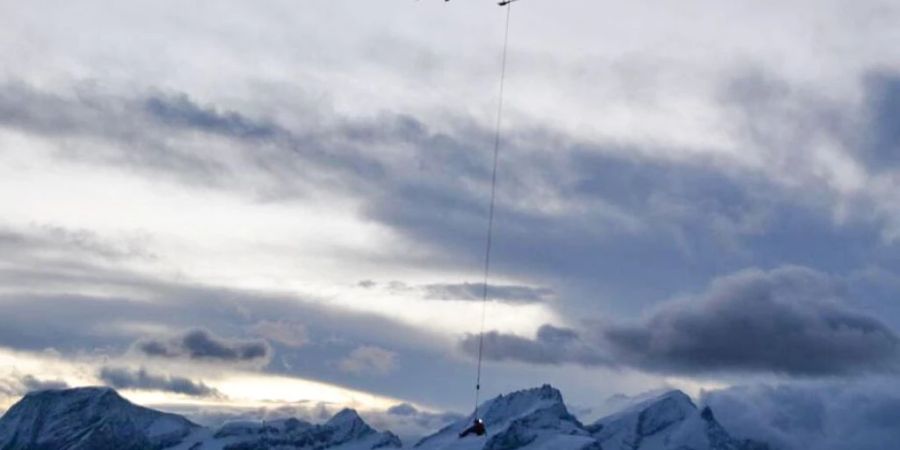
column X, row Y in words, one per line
column 241, row 389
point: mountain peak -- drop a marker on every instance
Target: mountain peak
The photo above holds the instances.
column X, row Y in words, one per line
column 667, row 421
column 85, row 418
column 530, row 417
column 505, row 407
column 545, row 392
column 85, row 392
column 676, row 394
column 348, row 425
column 343, row 417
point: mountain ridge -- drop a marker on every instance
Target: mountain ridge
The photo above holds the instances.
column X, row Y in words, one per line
column 530, row 419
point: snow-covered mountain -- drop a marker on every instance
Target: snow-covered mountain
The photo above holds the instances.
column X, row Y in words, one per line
column 345, row 431
column 533, row 419
column 100, row 419
column 88, row 419
column 529, row 419
column 668, row 422
column 537, row 419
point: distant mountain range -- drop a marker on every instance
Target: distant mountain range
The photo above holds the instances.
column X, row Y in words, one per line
column 533, row 419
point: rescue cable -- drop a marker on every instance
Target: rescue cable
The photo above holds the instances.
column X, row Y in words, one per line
column 490, row 224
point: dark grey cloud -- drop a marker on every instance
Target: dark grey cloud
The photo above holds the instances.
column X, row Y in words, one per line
column 181, row 112
column 552, row 345
column 122, row 378
column 790, row 320
column 202, row 345
column 503, row 293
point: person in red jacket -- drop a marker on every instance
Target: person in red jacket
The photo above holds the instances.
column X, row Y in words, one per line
column 477, row 429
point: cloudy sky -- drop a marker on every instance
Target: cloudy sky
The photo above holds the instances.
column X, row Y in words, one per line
column 222, row 205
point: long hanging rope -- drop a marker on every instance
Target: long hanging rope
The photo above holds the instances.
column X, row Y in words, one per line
column 490, row 227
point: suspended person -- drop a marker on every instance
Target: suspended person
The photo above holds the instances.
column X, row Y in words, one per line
column 477, row 429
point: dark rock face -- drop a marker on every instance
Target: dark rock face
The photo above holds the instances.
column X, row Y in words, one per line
column 87, row 419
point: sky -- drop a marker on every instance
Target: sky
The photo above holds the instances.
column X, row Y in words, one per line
column 232, row 208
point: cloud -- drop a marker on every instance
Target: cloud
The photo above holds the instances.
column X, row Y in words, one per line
column 503, row 293
column 410, row 422
column 789, row 320
column 179, row 111
column 552, row 345
column 402, row 409
column 202, row 345
column 510, row 294
column 864, row 415
column 881, row 146
column 369, row 360
column 121, row 378
column 47, row 242
column 152, row 132
column 81, row 302
column 291, row 334
column 583, row 208
column 16, row 384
